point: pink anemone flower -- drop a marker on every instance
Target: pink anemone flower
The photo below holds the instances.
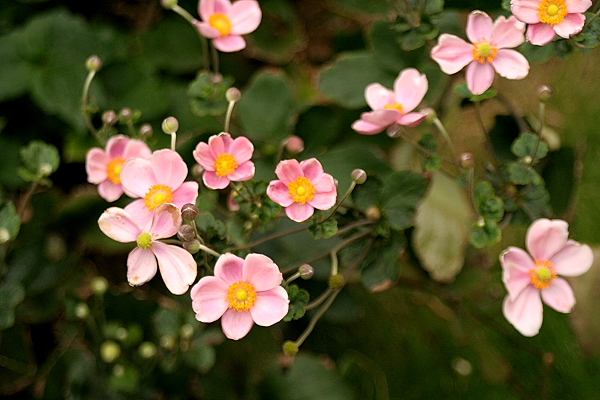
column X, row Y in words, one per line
column 225, row 22
column 392, row 107
column 224, row 160
column 104, row 167
column 531, row 278
column 488, row 51
column 301, row 188
column 177, row 266
column 158, row 180
column 242, row 293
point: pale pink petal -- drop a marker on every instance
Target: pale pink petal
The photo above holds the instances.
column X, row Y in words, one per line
column 312, row 169
column 116, row 145
column 511, row 64
column 378, row 96
column 578, row 6
column 288, row 171
column 516, row 264
column 245, row 16
column 213, row 181
column 236, row 324
column 206, row 8
column 299, row 212
column 479, row 26
column 241, row 149
column 540, row 34
column 409, row 88
column 166, row 221
column 96, row 165
column 216, row 144
column 384, row 117
column 229, row 268
column 177, row 267
column 227, row 142
column 209, row 299
column 207, row 30
column 169, row 168
column 141, row 266
column 367, row 128
column 479, row 77
column 138, row 210
column 204, row 156
column 559, row 296
column 270, row 306
column 186, row 193
column 119, row 225
column 452, row 53
column 324, row 183
column 261, row 272
column 323, row 201
column 136, row 149
column 545, row 238
column 229, row 43
column 243, row 172
column 573, row 260
column 411, row 119
column 137, row 177
column 508, row 33
column 525, row 312
column 279, row 193
column 527, row 11
column 571, row 25
column 109, row 190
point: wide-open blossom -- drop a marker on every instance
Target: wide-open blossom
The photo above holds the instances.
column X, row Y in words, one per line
column 177, row 266
column 533, row 277
column 225, row 22
column 488, row 51
column 393, row 106
column 104, row 167
column 302, row 187
column 242, row 293
column 548, row 18
column 157, row 180
column 224, row 160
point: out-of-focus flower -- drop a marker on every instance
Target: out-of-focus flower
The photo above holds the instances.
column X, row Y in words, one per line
column 224, row 160
column 488, row 51
column 302, row 187
column 531, row 278
column 393, row 106
column 104, row 167
column 157, row 180
column 242, row 293
column 225, row 22
column 177, row 266
column 548, row 18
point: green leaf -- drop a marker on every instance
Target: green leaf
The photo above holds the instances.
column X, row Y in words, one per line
column 521, row 174
column 428, row 141
column 7, row 318
column 382, row 268
column 14, row 69
column 463, row 91
column 11, row 294
column 127, row 379
column 526, row 144
column 267, row 107
column 434, row 6
column 40, row 160
column 485, row 234
column 209, row 226
column 401, row 193
column 325, row 230
column 207, row 93
column 433, row 163
column 10, row 222
column 298, row 301
column 368, row 194
column 384, row 40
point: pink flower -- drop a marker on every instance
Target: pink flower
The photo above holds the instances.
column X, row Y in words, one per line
column 302, row 188
column 242, row 292
column 487, row 52
column 225, row 22
column 393, row 106
column 533, row 278
column 157, row 181
column 225, row 159
column 548, row 18
column 104, row 167
column 177, row 266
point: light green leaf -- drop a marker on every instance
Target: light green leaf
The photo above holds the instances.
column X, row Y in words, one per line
column 40, row 159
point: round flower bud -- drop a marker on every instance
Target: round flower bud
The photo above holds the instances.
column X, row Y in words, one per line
column 147, row 350
column 233, row 94
column 186, row 233
column 359, row 176
column 189, row 212
column 168, row 4
column 544, row 93
column 197, row 170
column 373, row 213
column 193, row 246
column 306, row 271
column 110, row 351
column 82, row 310
column 294, row 144
column 170, row 125
column 466, row 160
column 146, row 130
column 430, row 114
column 290, row 348
column 336, row 281
column 110, row 117
column 99, row 285
column 93, row 63
column 126, row 113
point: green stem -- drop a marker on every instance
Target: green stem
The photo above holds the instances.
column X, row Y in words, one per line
column 488, row 140
column 215, row 57
column 173, row 141
column 269, row 238
column 228, row 115
column 188, row 17
column 239, row 193
column 85, row 105
column 444, row 133
column 316, row 302
column 316, row 317
column 339, row 203
column 209, row 251
column 542, row 116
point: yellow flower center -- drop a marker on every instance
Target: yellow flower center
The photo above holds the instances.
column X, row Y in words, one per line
column 157, row 195
column 241, row 296
column 144, row 240
column 302, row 190
column 225, row 164
column 543, row 275
column 553, row 11
column 115, row 166
column 484, row 52
column 220, row 22
column 394, row 106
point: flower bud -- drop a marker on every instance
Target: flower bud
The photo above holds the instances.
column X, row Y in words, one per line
column 336, row 281
column 110, row 351
column 186, row 233
column 306, row 271
column 99, row 285
column 186, row 331
column 168, row 4
column 373, row 213
column 146, row 130
column 290, row 348
column 197, row 170
column 110, row 117
column 147, row 350
column 193, row 246
column 466, row 160
column 93, row 63
column 430, row 114
column 167, row 342
column 170, row 125
column 294, row 144
column 233, row 94
column 126, row 113
column 232, row 205
column 82, row 310
column 359, row 176
column 189, row 212
column 544, row 93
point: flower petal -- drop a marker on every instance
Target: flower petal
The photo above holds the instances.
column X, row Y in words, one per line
column 186, row 193
column 204, row 156
column 508, row 33
column 243, row 172
column 229, row 268
column 206, row 8
column 288, row 171
column 384, row 117
column 411, row 119
column 578, row 6
column 479, row 26
column 245, row 16
column 409, row 88
column 138, row 211
column 527, row 11
column 525, row 312
column 571, row 25
column 136, row 149
column 279, row 193
column 109, row 190
column 236, row 324
column 119, row 225
column 169, row 168
column 213, row 181
column 540, row 34
column 229, row 43
column 270, row 306
column 378, row 96
column 545, row 238
column 559, row 296
column 141, row 266
column 511, row 64
column 323, row 201
column 96, row 165
column 209, row 299
column 166, row 221
column 573, row 260
column 299, row 212
column 452, row 53
column 137, row 177
column 241, row 149
column 312, row 169
column 367, row 128
column 177, row 267
column 479, row 77
column 516, row 264
column 261, row 272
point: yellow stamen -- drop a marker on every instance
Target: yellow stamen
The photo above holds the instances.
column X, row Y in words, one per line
column 484, row 52
column 157, row 195
column 241, row 296
column 394, row 106
column 220, row 22
column 543, row 275
column 553, row 11
column 225, row 164
column 302, row 190
column 115, row 166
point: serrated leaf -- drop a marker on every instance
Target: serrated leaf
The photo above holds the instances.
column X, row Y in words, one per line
column 41, row 159
column 401, row 193
column 207, row 93
column 382, row 269
column 526, row 144
column 298, row 301
column 325, row 230
column 433, row 163
column 209, row 225
column 521, row 174
column 485, row 235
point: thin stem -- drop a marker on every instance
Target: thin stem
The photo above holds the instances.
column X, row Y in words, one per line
column 471, row 190
column 334, row 263
column 339, row 203
column 209, row 251
column 292, row 278
column 205, row 53
column 316, row 317
column 488, row 140
column 179, row 10
column 228, row 115
column 589, row 21
column 215, row 57
column 444, row 133
column 173, row 141
column 25, row 200
column 239, row 193
column 542, row 116
column 85, row 105
column 515, row 113
column 269, row 238
column 316, row 302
